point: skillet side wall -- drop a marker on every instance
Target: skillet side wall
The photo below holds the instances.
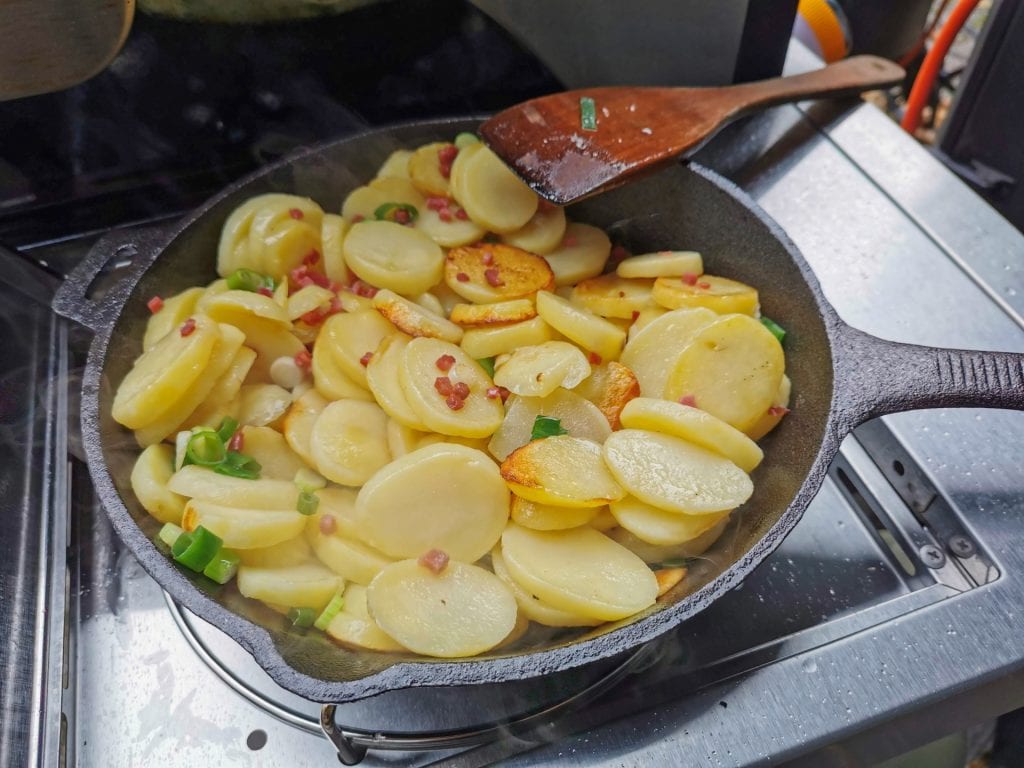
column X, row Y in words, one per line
column 679, row 208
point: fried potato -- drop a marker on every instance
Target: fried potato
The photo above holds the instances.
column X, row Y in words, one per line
column 349, row 441
column 577, row 416
column 657, row 526
column 396, row 165
column 200, row 483
column 332, row 234
column 346, row 555
column 582, row 254
column 330, row 380
column 562, row 471
column 393, row 256
column 425, row 170
column 350, row 337
column 302, row 586
column 493, row 272
column 493, row 196
column 533, row 607
column 614, row 296
column 542, row 234
column 539, row 370
column 609, row 387
column 499, row 313
column 279, row 240
column 662, row 264
column 644, row 318
column 175, row 311
column 413, row 319
column 362, row 202
column 544, row 517
column 149, row 478
column 262, row 404
column 291, row 552
column 581, row 326
column 298, row 423
column 504, row 339
column 719, row 294
column 268, row 446
column 306, row 300
column 382, row 374
column 242, row 240
column 779, row 408
column 243, row 528
column 653, row 352
column 353, row 626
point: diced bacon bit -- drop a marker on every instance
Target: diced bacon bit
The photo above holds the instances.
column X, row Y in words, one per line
column 461, row 214
column 303, row 359
column 357, row 218
column 155, row 304
column 359, row 288
column 188, row 326
column 264, row 291
column 437, row 203
column 365, row 359
column 454, row 402
column 493, row 278
column 302, row 276
column 443, row 385
column 778, row 410
column 569, row 242
column 445, row 363
column 622, row 294
column 445, row 157
column 295, row 213
column 402, row 216
column 689, row 278
column 635, row 315
column 703, row 285
column 689, row 400
column 328, row 525
column 320, row 314
column 435, row 561
column 462, row 277
column 461, row 390
column 237, row 441
column 445, row 215
column 487, row 258
column 619, row 253
column 312, row 257
column 594, row 358
column 494, row 392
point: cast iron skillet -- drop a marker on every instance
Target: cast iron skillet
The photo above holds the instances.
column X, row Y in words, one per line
column 840, row 376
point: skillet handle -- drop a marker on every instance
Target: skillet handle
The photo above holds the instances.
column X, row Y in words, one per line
column 875, row 377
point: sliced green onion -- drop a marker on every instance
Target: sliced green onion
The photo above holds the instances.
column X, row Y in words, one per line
column 308, row 480
column 223, row 567
column 249, row 280
column 547, row 426
column 169, row 534
column 200, row 551
column 236, row 464
column 301, row 617
column 327, row 615
column 487, row 363
column 389, row 212
column 183, row 542
column 308, row 503
column 464, row 139
column 588, row 114
column 204, row 448
column 227, row 429
column 777, row 330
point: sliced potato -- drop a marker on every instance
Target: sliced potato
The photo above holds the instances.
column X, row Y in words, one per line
column 674, row 475
column 354, row 627
column 175, row 311
column 348, row 556
column 493, row 196
column 393, row 256
column 382, row 374
column 349, row 441
column 446, row 296
column 581, row 326
column 579, row 570
column 425, row 169
column 396, row 165
column 542, row 234
column 544, row 517
column 694, row 425
column 430, row 302
column 644, row 318
column 339, row 503
column 402, row 439
column 298, row 423
column 499, row 313
column 270, row 337
column 604, row 520
column 349, row 337
column 276, row 459
column 215, row 407
column 771, row 418
column 306, row 300
column 231, row 305
column 449, row 227
column 539, row 370
column 330, row 380
column 443, row 496
column 563, row 471
column 243, row 528
column 476, row 416
column 332, row 234
column 657, row 553
column 300, row 586
column 653, row 352
column 668, row 578
column 656, row 526
column 413, row 319
column 152, row 471
column 609, row 387
column 718, row 294
column 731, row 368
column 281, row 236
column 200, row 483
column 234, row 251
column 582, row 254
column 614, row 296
column 493, row 272
column 462, row 611
column 262, row 404
column 662, row 264
column 499, row 340
column 362, row 202
column 291, row 552
column 577, row 416
column 533, row 607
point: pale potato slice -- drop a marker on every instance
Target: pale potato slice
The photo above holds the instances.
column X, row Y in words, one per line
column 771, row 418
column 604, row 520
column 291, row 552
column 243, row 528
column 493, row 196
column 493, row 272
column 731, row 368
column 413, row 319
column 562, row 470
column 394, row 256
column 350, row 337
column 347, row 556
column 476, row 416
column 233, row 251
column 330, row 380
column 542, row 234
column 402, row 439
column 672, row 474
column 503, row 339
column 204, row 484
column 162, row 375
column 298, row 423
column 332, row 235
column 396, row 165
column 431, row 303
column 539, row 370
column 656, row 526
column 425, row 169
column 657, row 553
column 499, row 313
column 262, row 404
column 544, row 517
column 297, row 586
column 382, row 374
column 443, row 496
column 579, row 570
column 662, row 264
column 361, row 202
column 582, row 326
column 614, row 296
column 462, row 611
column 453, row 230
column 578, row 417
column 446, row 296
column 349, row 441
column 152, row 471
column 215, row 407
column 306, row 300
column 582, row 254
column 282, row 234
column 644, row 318
column 354, row 627
column 175, row 311
column 694, row 425
column 719, row 294
column 609, row 387
column 269, row 336
column 276, row 459
column 653, row 352
column 352, row 303
column 228, row 306
column 339, row 503
column 533, row 607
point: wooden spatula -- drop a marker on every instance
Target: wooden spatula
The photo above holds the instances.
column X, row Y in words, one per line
column 571, row 145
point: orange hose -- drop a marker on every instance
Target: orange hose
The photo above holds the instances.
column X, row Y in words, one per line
column 932, row 64
column 908, row 58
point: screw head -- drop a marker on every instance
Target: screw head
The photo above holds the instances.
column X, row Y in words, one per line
column 932, row 556
column 962, row 546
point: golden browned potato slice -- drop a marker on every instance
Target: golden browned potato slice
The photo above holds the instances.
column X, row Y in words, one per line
column 779, row 408
column 594, row 333
column 614, row 296
column 533, row 607
column 150, row 475
column 291, row 552
column 541, row 234
column 579, row 570
column 731, row 368
column 175, row 311
column 301, row 586
column 352, row 338
column 662, row 264
column 396, row 165
column 577, row 416
column 349, row 441
column 656, row 526
column 539, row 370
column 718, row 294
column 353, row 626
column 461, row 611
column 582, row 254
column 504, row 339
column 493, row 196
column 268, row 446
column 493, row 272
column 499, row 313
column 563, row 471
column 544, row 517
column 382, row 374
column 609, row 387
column 298, row 423
column 653, row 352
column 197, row 482
column 394, row 256
column 413, row 319
column 668, row 578
column 672, row 474
column 243, row 528
column 425, row 170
